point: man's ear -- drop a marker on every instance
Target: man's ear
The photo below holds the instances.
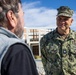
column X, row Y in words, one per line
column 71, row 20
column 12, row 20
column 56, row 18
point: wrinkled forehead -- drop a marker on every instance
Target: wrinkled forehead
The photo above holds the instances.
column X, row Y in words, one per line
column 64, row 18
column 20, row 6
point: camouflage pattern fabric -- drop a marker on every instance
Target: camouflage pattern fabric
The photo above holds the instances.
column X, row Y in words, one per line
column 65, row 11
column 58, row 54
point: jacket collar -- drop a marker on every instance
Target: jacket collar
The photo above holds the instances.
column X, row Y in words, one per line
column 7, row 33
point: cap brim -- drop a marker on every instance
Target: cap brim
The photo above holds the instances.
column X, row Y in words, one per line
column 63, row 14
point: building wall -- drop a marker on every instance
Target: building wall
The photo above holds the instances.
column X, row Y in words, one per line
column 33, row 36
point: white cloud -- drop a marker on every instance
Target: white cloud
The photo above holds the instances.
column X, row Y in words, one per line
column 74, row 21
column 36, row 16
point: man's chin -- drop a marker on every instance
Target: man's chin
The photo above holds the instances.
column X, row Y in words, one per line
column 62, row 29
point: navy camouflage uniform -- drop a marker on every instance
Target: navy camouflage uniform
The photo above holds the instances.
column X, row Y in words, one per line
column 59, row 55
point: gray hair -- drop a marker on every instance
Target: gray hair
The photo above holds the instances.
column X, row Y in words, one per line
column 5, row 6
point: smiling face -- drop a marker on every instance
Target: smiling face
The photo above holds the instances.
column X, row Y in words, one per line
column 63, row 23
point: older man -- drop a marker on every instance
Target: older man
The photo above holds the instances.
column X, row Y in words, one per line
column 58, row 48
column 15, row 56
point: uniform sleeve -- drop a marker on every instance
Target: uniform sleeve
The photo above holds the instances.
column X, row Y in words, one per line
column 18, row 61
column 43, row 53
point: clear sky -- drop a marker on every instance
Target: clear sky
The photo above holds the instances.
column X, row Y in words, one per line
column 42, row 13
column 55, row 3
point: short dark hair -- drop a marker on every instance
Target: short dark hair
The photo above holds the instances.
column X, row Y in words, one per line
column 6, row 5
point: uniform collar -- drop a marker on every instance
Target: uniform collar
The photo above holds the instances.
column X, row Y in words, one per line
column 71, row 35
